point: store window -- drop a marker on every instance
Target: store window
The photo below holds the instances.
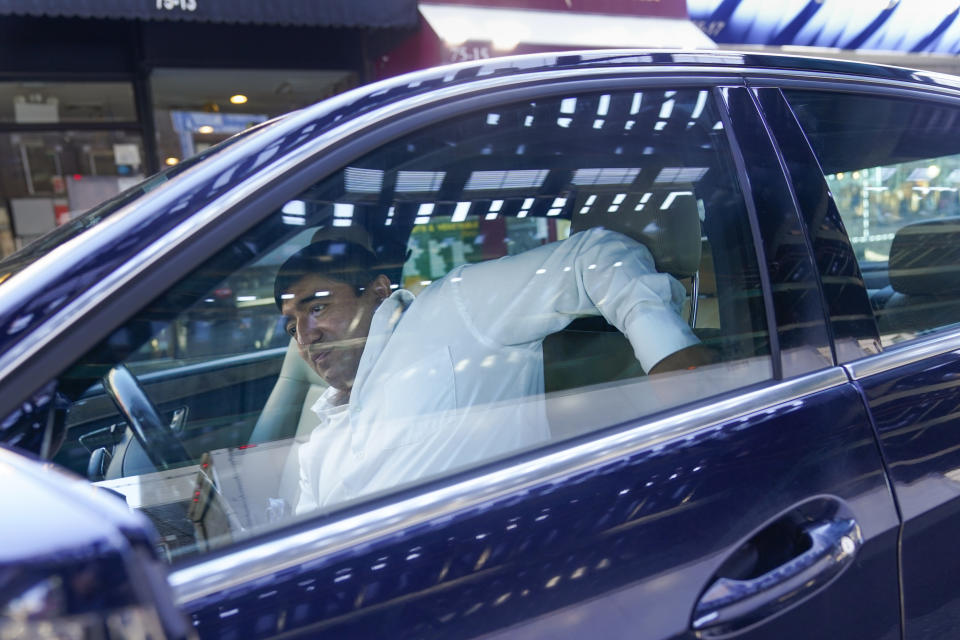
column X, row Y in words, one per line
column 66, row 147
column 30, row 102
column 197, row 108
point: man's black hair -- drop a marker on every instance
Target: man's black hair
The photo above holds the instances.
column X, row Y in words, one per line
column 335, row 259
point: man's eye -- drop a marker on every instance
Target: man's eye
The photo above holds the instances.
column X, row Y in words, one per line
column 292, row 330
column 317, row 308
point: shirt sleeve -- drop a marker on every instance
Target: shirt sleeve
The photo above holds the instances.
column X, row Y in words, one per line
column 522, row 298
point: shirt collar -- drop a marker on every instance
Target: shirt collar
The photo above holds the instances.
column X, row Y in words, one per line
column 382, row 326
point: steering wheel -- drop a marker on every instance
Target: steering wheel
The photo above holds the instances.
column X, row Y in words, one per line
column 156, row 438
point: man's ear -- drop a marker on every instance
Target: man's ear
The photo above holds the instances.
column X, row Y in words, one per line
column 380, row 286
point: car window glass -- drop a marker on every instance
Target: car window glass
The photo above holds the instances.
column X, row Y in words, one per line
column 893, row 167
column 493, row 283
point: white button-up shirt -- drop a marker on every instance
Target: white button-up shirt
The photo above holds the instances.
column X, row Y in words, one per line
column 455, row 376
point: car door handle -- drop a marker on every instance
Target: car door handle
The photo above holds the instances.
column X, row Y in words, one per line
column 731, row 604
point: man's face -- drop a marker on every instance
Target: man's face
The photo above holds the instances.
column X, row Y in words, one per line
column 330, row 323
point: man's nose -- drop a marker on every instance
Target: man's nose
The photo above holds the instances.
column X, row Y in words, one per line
column 307, row 331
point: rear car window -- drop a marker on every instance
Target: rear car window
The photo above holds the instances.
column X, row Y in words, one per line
column 893, row 167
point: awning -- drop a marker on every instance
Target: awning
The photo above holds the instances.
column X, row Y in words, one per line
column 506, row 28
column 911, row 26
column 328, row 13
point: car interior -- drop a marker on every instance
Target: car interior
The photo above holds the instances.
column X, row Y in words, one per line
column 209, row 359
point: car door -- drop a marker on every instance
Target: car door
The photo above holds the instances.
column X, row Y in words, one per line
column 744, row 495
column 889, row 159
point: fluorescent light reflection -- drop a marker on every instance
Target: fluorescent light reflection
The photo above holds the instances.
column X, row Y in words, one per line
column 419, row 181
column 568, row 105
column 589, row 177
column 511, row 179
column 295, row 208
column 698, row 107
column 673, row 195
column 460, row 212
column 363, row 180
column 424, row 213
column 680, row 174
column 603, row 106
column 294, row 213
column 635, row 105
column 666, row 109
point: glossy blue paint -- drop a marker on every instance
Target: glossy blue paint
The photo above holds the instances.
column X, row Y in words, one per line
column 621, row 550
column 78, row 550
column 917, row 412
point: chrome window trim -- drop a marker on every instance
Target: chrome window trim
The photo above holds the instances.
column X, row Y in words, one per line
column 257, row 560
column 772, row 79
column 905, row 355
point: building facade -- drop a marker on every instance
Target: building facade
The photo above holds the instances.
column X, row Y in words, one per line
column 95, row 95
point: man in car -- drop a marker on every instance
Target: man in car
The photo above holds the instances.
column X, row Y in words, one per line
column 420, row 386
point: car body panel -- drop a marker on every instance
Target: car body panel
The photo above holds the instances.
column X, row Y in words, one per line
column 915, row 409
column 569, row 552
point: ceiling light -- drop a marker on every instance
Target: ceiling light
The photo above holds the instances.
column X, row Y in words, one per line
column 171, row 161
column 205, row 129
column 238, row 99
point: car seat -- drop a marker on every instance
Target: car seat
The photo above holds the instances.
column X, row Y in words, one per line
column 924, row 269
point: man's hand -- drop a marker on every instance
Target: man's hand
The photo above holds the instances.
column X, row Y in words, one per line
column 689, row 358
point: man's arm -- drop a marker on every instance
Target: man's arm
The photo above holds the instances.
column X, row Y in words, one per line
column 523, row 298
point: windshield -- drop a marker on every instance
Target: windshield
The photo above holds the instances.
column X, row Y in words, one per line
column 36, row 250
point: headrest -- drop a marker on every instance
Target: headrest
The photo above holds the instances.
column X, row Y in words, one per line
column 925, row 258
column 672, row 234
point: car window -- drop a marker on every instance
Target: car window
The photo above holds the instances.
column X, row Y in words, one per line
column 493, row 283
column 893, row 167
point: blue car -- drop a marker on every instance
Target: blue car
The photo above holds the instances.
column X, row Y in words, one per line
column 614, row 344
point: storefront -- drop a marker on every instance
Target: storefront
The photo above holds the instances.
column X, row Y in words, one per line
column 96, row 94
